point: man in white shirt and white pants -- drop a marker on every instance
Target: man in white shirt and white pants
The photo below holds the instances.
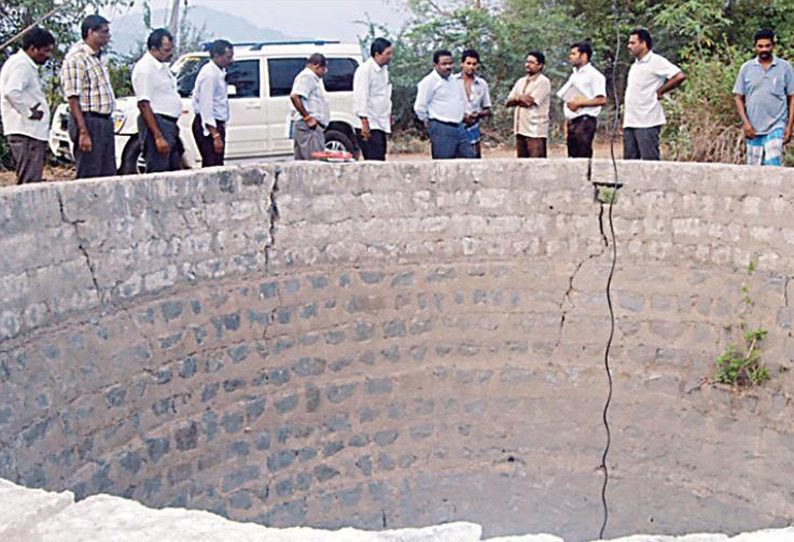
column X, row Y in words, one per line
column 23, row 106
column 440, row 104
column 159, row 103
column 372, row 101
column 311, row 110
column 589, row 89
column 650, row 77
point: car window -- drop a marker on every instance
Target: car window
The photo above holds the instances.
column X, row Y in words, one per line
column 340, row 74
column 244, row 75
column 186, row 70
column 282, row 72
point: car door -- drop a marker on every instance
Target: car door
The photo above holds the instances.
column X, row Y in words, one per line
column 246, row 135
column 281, row 73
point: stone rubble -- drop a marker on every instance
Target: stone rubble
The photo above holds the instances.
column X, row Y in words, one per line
column 35, row 515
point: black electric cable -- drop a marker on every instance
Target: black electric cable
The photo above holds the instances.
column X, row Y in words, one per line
column 612, row 135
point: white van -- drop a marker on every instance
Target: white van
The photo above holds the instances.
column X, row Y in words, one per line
column 260, row 81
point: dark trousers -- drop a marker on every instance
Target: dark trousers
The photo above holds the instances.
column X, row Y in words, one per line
column 28, row 154
column 100, row 161
column 375, row 147
column 209, row 157
column 155, row 161
column 641, row 143
column 581, row 132
column 449, row 141
column 530, row 147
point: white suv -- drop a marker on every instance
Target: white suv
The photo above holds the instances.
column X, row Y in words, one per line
column 260, row 81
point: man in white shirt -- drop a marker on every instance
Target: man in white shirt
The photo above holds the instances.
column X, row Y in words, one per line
column 650, row 77
column 159, row 103
column 372, row 100
column 23, row 106
column 211, row 104
column 531, row 96
column 587, row 89
column 440, row 104
column 311, row 110
column 478, row 96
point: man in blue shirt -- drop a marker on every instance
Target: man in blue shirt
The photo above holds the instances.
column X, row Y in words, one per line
column 440, row 102
column 764, row 96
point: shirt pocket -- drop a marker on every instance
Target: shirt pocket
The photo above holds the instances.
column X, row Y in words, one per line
column 779, row 86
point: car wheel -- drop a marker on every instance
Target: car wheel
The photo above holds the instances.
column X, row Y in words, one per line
column 339, row 141
column 132, row 162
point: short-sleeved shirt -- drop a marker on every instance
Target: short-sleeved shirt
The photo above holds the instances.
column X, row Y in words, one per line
column 153, row 82
column 646, row 76
column 766, row 93
column 311, row 90
column 591, row 83
column 480, row 96
column 84, row 74
column 532, row 121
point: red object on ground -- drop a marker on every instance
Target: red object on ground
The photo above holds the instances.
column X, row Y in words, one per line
column 333, row 156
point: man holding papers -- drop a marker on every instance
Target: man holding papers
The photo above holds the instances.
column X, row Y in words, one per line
column 584, row 93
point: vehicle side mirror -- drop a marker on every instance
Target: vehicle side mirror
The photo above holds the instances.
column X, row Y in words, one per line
column 231, row 91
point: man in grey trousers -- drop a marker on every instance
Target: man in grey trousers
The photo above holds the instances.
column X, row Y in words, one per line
column 311, row 112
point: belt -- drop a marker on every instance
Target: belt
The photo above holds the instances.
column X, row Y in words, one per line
column 445, row 123
column 583, row 117
column 166, row 117
column 96, row 115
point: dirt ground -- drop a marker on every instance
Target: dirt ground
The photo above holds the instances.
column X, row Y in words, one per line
column 601, row 150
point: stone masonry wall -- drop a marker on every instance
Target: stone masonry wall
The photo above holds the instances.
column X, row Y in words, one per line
column 385, row 345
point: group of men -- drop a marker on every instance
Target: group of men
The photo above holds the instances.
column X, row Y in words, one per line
column 451, row 106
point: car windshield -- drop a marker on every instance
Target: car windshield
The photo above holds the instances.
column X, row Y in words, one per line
column 186, row 70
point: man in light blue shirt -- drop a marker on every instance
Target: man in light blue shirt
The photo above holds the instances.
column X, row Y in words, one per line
column 440, row 104
column 764, row 96
column 211, row 104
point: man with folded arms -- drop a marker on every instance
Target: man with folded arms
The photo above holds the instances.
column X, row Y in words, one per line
column 86, row 85
column 531, row 96
column 440, row 104
column 211, row 104
column 589, row 89
column 23, row 106
column 372, row 101
column 311, row 112
column 159, row 104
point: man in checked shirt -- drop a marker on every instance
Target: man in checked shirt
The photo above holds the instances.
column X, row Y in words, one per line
column 86, row 84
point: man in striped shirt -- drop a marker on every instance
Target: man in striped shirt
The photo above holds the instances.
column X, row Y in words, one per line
column 86, row 84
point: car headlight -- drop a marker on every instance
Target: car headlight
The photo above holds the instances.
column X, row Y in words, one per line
column 118, row 120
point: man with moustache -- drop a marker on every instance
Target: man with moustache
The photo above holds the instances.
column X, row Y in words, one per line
column 372, row 100
column 211, row 104
column 311, row 111
column 439, row 104
column 582, row 111
column 651, row 76
column 531, row 98
column 86, row 85
column 478, row 96
column 764, row 97
column 23, row 106
column 159, row 104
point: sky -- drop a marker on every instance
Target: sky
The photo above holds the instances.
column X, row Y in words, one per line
column 329, row 19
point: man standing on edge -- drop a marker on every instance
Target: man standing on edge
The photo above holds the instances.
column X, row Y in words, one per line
column 764, row 96
column 531, row 98
column 478, row 97
column 439, row 104
column 311, row 113
column 372, row 101
column 86, row 85
column 159, row 104
column 23, row 106
column 211, row 104
column 582, row 111
column 651, row 76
